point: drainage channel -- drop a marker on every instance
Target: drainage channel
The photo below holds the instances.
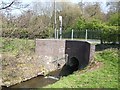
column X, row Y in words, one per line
column 41, row 81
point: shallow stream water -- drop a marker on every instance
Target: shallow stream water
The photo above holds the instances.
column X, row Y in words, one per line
column 41, row 81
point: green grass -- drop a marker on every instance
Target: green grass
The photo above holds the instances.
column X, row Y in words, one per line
column 15, row 46
column 106, row 76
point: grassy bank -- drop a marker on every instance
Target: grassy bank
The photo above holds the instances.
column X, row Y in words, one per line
column 102, row 74
column 19, row 61
column 16, row 46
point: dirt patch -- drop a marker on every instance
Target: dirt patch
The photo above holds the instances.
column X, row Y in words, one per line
column 18, row 68
column 94, row 65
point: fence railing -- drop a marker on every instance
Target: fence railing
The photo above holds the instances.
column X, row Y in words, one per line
column 82, row 34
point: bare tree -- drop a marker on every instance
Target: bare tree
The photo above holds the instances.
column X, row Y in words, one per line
column 15, row 4
column 7, row 6
column 93, row 11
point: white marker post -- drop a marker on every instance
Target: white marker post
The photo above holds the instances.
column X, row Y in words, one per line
column 72, row 35
column 86, row 35
column 60, row 18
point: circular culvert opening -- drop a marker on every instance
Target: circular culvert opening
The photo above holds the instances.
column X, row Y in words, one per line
column 70, row 67
column 74, row 63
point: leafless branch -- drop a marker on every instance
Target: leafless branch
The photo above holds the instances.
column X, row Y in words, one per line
column 8, row 5
column 94, row 12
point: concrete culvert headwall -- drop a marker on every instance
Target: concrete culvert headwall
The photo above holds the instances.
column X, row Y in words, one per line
column 56, row 54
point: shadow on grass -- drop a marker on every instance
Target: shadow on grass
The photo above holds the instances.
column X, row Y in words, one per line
column 100, row 47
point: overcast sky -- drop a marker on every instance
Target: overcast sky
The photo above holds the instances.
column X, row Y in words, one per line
column 74, row 1
column 103, row 2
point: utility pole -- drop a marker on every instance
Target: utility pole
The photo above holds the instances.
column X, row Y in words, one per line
column 55, row 18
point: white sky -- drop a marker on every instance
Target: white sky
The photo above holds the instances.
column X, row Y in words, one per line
column 74, row 1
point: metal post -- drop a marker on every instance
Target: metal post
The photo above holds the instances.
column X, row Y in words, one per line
column 86, row 35
column 57, row 34
column 72, row 35
column 60, row 33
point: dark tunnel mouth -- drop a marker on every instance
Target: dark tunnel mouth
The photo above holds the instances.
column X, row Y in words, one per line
column 74, row 63
column 71, row 66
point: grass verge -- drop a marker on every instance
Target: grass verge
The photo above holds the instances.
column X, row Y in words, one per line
column 16, row 46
